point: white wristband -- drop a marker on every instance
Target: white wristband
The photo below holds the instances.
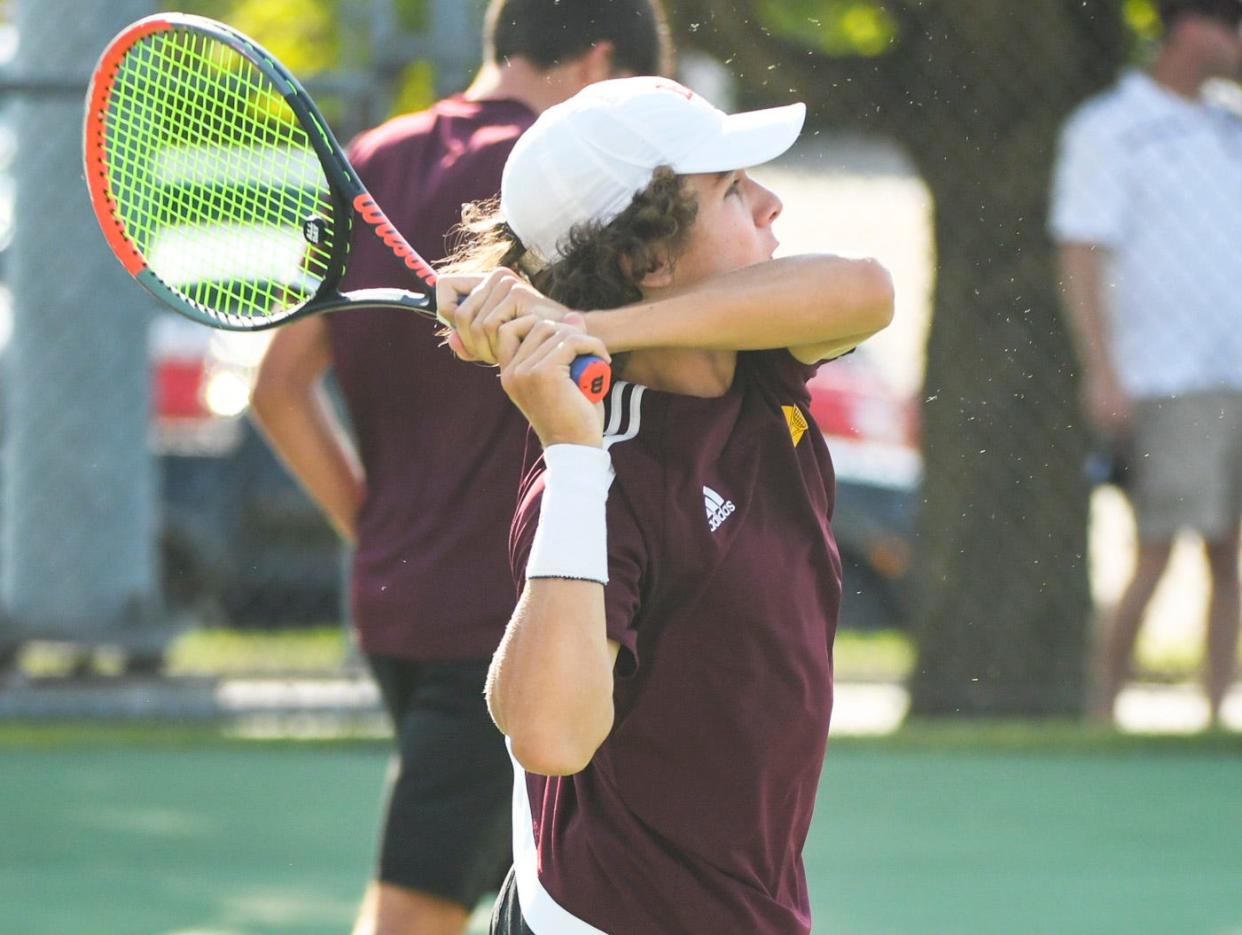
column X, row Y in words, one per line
column 571, row 540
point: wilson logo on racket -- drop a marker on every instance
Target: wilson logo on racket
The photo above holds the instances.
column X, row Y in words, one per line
column 370, row 212
column 314, row 229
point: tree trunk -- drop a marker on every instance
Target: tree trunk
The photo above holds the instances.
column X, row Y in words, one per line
column 1001, row 580
column 1002, row 588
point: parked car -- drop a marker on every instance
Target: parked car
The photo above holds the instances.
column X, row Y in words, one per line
column 873, row 433
column 240, row 542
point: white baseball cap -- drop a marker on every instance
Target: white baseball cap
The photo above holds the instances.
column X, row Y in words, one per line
column 586, row 158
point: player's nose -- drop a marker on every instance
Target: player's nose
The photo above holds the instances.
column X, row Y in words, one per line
column 767, row 204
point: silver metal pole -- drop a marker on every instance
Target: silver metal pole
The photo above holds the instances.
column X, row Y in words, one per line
column 78, row 498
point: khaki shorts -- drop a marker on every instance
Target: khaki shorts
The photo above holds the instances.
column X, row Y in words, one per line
column 1186, row 466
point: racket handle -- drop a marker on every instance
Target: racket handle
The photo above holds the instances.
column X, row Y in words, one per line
column 593, row 376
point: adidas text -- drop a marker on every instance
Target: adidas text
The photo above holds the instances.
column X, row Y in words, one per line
column 718, row 508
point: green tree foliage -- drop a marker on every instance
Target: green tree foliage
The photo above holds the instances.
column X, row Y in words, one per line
column 867, row 28
column 858, row 27
column 303, row 34
column 1141, row 18
column 306, row 35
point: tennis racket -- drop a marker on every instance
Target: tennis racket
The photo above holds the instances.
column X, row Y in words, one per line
column 220, row 188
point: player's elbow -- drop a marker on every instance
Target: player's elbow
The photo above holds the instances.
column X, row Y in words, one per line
column 551, row 747
column 275, row 384
column 862, row 297
column 264, row 395
column 548, row 759
column 885, row 295
column 875, row 296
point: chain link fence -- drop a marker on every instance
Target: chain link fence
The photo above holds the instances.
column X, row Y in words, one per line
column 962, row 456
column 138, row 499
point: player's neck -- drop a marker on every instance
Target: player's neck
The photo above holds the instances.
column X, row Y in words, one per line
column 519, row 80
column 689, row 372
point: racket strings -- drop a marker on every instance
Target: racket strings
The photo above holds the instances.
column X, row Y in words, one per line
column 214, row 176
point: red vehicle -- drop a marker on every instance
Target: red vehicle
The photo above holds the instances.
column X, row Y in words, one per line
column 240, row 542
column 873, row 433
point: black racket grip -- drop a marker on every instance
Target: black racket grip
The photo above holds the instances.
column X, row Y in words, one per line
column 593, row 376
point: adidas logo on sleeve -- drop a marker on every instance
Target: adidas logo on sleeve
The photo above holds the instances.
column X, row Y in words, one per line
column 718, row 508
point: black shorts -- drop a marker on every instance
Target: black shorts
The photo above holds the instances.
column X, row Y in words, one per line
column 447, row 829
column 507, row 913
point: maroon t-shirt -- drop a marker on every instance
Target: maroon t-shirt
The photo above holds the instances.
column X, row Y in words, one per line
column 441, row 443
column 724, row 586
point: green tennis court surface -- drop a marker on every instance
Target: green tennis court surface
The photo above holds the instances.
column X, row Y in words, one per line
column 147, row 831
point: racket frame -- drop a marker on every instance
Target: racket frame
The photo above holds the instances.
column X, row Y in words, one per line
column 349, row 197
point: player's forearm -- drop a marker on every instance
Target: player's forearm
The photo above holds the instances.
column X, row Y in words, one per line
column 549, row 688
column 790, row 302
column 1082, row 296
column 302, row 429
column 550, row 684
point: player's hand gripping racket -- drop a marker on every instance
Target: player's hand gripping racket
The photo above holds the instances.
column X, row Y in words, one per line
column 221, row 189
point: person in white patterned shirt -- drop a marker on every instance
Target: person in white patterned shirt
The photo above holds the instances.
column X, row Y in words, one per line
column 1147, row 214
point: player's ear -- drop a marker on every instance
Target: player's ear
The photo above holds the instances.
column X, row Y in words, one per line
column 595, row 64
column 661, row 277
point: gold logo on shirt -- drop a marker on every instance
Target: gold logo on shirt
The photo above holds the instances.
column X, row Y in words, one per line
column 796, row 422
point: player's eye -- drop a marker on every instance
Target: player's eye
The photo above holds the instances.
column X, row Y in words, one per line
column 735, row 186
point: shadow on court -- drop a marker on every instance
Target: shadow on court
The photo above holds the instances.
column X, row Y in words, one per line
column 156, row 832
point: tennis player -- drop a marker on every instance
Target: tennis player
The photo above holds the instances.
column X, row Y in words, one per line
column 665, row 682
column 425, row 484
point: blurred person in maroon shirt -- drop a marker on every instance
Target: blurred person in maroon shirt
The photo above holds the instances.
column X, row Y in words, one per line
column 665, row 681
column 425, row 487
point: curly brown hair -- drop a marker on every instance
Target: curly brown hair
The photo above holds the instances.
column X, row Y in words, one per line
column 601, row 265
